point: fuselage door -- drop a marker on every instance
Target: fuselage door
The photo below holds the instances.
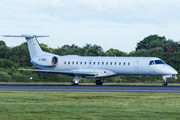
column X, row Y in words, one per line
column 136, row 66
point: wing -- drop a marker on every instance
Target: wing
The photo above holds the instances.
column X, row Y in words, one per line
column 83, row 73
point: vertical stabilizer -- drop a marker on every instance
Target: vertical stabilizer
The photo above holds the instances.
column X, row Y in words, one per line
column 33, row 44
column 34, row 47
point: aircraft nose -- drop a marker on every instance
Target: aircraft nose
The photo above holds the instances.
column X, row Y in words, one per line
column 175, row 72
column 172, row 71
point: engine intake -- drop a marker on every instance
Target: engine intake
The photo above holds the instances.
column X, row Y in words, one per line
column 45, row 61
column 54, row 60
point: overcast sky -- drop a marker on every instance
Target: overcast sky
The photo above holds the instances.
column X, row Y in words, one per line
column 117, row 24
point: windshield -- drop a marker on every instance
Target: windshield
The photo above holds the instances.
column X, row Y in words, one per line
column 156, row 62
column 159, row 62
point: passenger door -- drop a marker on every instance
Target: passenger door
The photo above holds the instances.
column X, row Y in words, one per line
column 136, row 63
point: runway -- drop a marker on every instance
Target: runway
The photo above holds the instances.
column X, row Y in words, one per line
column 92, row 88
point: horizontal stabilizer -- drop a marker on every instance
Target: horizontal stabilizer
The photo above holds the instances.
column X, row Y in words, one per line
column 33, row 44
column 84, row 73
column 26, row 36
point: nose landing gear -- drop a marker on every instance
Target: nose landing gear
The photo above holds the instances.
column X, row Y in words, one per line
column 164, row 83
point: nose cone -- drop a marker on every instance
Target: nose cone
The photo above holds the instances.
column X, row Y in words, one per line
column 171, row 70
column 175, row 72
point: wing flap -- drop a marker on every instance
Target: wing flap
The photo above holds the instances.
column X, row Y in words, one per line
column 85, row 73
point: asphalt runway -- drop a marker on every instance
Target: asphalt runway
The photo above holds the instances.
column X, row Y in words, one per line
column 92, row 88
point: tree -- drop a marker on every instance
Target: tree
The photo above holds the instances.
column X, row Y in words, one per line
column 88, row 50
column 141, row 53
column 171, row 46
column 131, row 53
column 92, row 50
column 20, row 55
column 7, row 64
column 4, row 49
column 151, row 42
column 68, row 50
column 44, row 47
column 115, row 52
column 2, row 43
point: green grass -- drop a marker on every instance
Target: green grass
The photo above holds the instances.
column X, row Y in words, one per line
column 47, row 105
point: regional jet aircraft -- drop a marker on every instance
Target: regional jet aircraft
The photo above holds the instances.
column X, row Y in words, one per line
column 94, row 67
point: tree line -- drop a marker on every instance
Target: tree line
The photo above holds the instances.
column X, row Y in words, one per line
column 15, row 57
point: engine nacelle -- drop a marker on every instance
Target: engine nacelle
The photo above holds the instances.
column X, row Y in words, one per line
column 45, row 60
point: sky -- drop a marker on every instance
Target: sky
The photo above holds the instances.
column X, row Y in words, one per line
column 118, row 24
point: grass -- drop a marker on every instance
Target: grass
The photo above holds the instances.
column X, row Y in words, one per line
column 52, row 105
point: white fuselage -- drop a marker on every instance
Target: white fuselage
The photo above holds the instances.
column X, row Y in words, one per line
column 112, row 66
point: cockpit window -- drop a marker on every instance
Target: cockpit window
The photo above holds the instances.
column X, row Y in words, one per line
column 151, row 63
column 159, row 62
column 156, row 62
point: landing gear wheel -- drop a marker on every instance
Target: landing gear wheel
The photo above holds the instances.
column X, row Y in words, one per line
column 98, row 82
column 73, row 83
column 164, row 83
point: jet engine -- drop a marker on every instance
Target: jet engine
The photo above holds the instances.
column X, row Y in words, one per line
column 46, row 61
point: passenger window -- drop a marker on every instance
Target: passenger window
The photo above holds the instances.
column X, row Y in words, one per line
column 115, row 63
column 76, row 63
column 64, row 62
column 106, row 63
column 68, row 63
column 90, row 63
column 124, row 63
column 85, row 63
column 102, row 63
column 80, row 63
column 111, row 63
column 151, row 63
column 119, row 63
column 128, row 63
column 98, row 63
column 73, row 62
column 94, row 63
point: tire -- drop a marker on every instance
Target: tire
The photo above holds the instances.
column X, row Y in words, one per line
column 72, row 83
column 164, row 83
column 98, row 82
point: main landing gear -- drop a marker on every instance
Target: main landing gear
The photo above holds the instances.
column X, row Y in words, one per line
column 164, row 83
column 100, row 81
column 75, row 81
